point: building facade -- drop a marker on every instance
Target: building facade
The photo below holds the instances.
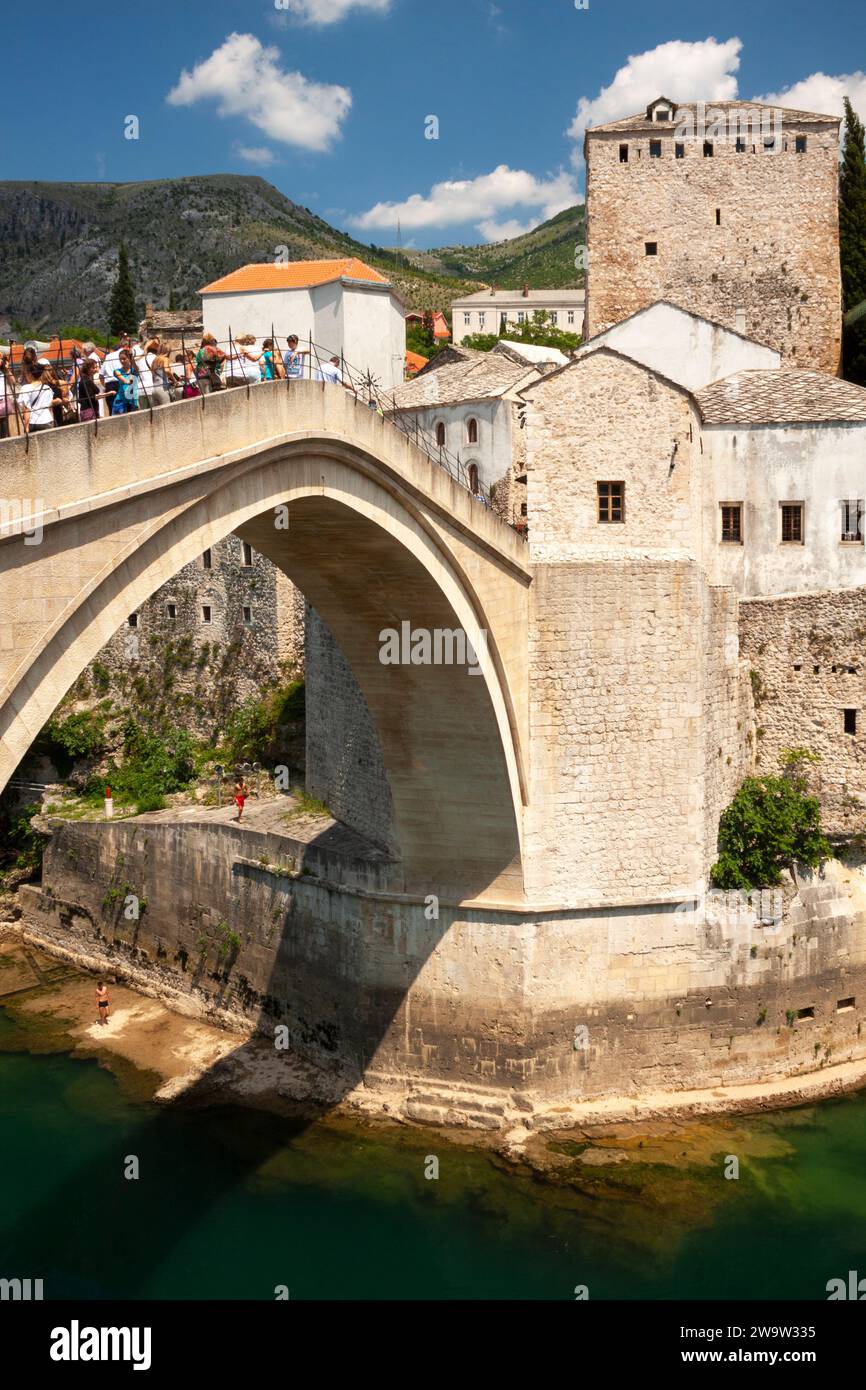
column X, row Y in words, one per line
column 489, row 310
column 729, row 210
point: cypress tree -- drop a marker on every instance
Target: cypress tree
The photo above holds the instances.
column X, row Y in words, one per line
column 121, row 310
column 852, row 242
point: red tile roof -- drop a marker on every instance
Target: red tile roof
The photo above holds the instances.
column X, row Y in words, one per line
column 294, row 275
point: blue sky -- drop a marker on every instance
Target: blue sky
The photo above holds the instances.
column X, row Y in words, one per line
column 328, row 99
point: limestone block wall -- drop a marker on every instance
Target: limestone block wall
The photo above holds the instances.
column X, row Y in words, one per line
column 807, row 655
column 606, row 418
column 345, row 767
column 617, row 692
column 728, row 712
column 748, row 239
column 478, row 1015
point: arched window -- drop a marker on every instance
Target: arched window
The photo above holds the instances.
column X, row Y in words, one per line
column 472, row 431
column 440, row 435
column 473, row 478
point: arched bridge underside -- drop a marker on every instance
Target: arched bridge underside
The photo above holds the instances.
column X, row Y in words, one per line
column 377, row 535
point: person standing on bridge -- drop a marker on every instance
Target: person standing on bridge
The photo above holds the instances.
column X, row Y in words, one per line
column 242, row 791
column 126, row 397
column 293, row 360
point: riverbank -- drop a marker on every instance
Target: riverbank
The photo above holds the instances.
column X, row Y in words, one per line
column 176, row 1053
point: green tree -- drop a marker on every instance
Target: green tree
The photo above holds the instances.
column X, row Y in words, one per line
column 121, row 310
column 852, row 243
column 771, row 824
column 538, row 330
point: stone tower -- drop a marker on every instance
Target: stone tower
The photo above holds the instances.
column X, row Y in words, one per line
column 729, row 210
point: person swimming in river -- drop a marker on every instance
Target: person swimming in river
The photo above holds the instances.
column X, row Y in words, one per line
column 242, row 791
column 103, row 1003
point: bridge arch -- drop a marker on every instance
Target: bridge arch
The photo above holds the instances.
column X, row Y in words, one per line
column 365, row 546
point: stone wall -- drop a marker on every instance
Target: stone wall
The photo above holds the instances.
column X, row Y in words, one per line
column 807, row 655
column 478, row 1016
column 606, row 418
column 201, row 671
column 769, row 266
column 345, row 767
column 617, row 689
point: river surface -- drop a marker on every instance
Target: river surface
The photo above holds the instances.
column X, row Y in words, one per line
column 234, row 1202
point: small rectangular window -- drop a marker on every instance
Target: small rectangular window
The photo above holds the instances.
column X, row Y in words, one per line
column 571, row 316
column 553, row 316
column 800, row 144
column 850, row 721
column 206, row 613
column 718, row 217
column 808, row 1012
column 481, row 317
column 740, row 146
column 680, row 151
column 623, row 154
column 521, row 316
column 843, row 1005
column 852, row 519
column 171, row 611
column 467, row 319
column 247, row 555
column 248, row 613
column 207, row 560
column 792, row 523
column 611, row 501
column 732, row 523
column 651, row 248
column 708, row 149
column 133, row 620
column 655, row 149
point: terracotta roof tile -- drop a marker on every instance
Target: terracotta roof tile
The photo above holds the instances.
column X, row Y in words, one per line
column 294, row 275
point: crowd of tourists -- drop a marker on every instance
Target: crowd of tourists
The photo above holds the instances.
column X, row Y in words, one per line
column 38, row 394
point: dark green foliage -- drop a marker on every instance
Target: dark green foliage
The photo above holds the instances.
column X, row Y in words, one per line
column 852, row 211
column 20, row 845
column 771, row 824
column 121, row 309
column 852, row 243
column 153, row 765
column 65, row 740
column 253, row 730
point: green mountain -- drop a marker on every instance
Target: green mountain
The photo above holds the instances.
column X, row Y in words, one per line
column 59, row 245
column 543, row 258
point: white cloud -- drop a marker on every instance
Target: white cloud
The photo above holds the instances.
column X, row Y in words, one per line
column 683, row 71
column 255, row 154
column 245, row 80
column 329, row 11
column 823, row 94
column 492, row 230
column 476, row 200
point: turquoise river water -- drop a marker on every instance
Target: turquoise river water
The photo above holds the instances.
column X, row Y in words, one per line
column 231, row 1202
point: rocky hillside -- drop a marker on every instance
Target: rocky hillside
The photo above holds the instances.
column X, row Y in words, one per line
column 542, row 258
column 58, row 245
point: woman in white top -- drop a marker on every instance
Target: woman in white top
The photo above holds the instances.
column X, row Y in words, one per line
column 35, row 401
column 242, row 365
column 143, row 357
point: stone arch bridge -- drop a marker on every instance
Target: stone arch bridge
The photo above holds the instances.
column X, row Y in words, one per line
column 378, row 535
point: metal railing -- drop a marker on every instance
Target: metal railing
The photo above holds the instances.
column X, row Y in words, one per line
column 362, row 383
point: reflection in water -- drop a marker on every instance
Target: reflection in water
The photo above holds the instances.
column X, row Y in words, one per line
column 232, row 1202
